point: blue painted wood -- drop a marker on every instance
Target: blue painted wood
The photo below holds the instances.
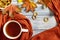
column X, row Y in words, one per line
column 40, row 24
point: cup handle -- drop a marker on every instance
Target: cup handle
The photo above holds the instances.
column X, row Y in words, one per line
column 24, row 30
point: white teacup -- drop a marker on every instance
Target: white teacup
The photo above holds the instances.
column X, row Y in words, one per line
column 15, row 37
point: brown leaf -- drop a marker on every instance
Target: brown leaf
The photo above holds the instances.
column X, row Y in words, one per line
column 11, row 9
column 30, row 6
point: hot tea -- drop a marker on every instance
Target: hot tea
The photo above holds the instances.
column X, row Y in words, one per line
column 13, row 29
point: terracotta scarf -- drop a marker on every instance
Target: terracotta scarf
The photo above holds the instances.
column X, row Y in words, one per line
column 20, row 18
column 54, row 33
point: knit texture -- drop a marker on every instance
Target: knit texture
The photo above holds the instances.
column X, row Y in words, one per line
column 21, row 19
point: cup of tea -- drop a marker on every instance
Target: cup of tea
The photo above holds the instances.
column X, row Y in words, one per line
column 13, row 29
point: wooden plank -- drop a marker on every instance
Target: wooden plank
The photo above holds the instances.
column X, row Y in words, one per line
column 40, row 13
column 36, row 31
column 40, row 24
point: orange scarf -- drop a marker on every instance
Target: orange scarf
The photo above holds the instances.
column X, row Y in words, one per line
column 20, row 18
column 54, row 33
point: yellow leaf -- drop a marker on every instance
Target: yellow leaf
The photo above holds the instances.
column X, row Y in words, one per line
column 33, row 4
column 19, row 1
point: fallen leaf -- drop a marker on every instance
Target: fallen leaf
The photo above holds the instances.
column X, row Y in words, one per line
column 29, row 5
column 10, row 9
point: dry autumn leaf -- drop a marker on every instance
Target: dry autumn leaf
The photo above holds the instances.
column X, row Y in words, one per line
column 29, row 5
column 11, row 9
